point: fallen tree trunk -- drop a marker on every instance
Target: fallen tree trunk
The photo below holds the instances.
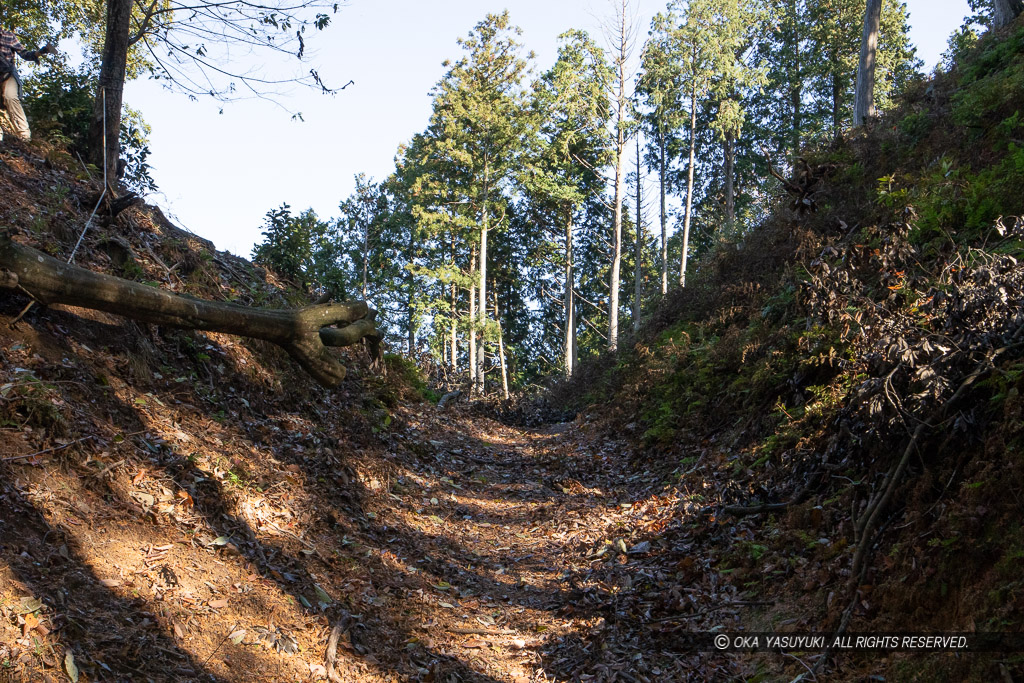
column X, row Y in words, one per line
column 305, row 332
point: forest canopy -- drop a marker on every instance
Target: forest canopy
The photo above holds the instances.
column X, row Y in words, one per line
column 505, row 245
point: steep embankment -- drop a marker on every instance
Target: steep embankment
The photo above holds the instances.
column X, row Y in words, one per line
column 176, row 504
column 842, row 390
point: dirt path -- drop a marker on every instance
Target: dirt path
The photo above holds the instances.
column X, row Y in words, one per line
column 516, row 549
column 447, row 549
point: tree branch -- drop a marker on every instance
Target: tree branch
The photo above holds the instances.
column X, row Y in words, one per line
column 305, row 332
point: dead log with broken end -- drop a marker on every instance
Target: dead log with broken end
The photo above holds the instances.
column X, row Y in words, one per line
column 306, row 333
column 804, row 183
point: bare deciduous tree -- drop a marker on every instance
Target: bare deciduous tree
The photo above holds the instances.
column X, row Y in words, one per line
column 622, row 36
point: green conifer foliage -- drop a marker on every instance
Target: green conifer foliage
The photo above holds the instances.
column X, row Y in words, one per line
column 478, row 129
column 569, row 149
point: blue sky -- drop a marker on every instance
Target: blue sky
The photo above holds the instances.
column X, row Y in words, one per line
column 219, row 173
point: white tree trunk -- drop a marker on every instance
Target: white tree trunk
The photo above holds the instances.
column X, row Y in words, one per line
column 1006, row 11
column 689, row 188
column 621, row 100
column 613, row 284
column 729, row 170
column 570, row 313
column 472, row 320
column 484, row 225
column 664, row 219
column 454, row 359
column 864, row 95
column 482, row 307
column 575, row 344
column 638, row 254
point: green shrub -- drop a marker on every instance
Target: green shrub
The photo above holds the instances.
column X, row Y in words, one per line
column 59, row 103
column 914, row 127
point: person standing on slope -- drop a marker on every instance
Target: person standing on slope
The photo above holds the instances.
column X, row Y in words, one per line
column 10, row 81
